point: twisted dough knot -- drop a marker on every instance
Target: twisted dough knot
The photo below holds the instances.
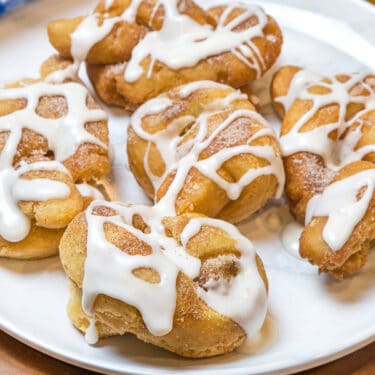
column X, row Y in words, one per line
column 203, row 148
column 328, row 144
column 52, row 136
column 194, row 285
column 189, row 284
column 137, row 49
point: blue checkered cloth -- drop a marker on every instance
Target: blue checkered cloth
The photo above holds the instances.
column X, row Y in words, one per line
column 6, row 5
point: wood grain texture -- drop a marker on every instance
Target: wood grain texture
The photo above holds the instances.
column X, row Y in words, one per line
column 16, row 359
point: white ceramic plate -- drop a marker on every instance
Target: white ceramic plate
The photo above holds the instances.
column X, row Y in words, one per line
column 311, row 320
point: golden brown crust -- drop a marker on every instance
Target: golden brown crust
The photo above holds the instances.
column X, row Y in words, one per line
column 199, row 193
column 198, row 331
column 106, row 61
column 117, row 46
column 307, row 174
column 39, row 243
column 53, row 213
column 280, row 85
column 88, row 162
column 353, row 255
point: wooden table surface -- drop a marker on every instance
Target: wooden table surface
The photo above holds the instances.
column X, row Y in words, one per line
column 17, row 359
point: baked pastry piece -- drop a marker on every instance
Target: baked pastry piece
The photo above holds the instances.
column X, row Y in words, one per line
column 328, row 135
column 340, row 222
column 52, row 137
column 138, row 49
column 189, row 284
column 205, row 148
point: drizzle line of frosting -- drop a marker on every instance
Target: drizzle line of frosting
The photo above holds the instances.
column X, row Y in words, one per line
column 64, row 135
column 167, row 142
column 178, row 34
column 169, row 257
column 336, row 153
column 339, row 201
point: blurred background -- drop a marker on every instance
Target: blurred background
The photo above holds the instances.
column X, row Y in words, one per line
column 6, row 5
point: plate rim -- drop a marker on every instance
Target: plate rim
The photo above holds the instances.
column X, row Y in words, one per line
column 356, row 343
column 348, row 348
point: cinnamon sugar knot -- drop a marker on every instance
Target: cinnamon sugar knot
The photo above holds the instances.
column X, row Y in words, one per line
column 52, row 137
column 189, row 284
column 136, row 50
column 202, row 147
column 328, row 144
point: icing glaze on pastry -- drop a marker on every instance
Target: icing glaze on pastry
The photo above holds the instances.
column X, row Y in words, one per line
column 243, row 298
column 290, row 238
column 89, row 191
column 64, row 136
column 317, row 140
column 328, row 144
column 181, row 152
column 341, row 204
column 179, row 33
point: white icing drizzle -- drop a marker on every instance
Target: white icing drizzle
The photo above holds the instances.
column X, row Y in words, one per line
column 339, row 200
column 39, row 189
column 109, row 271
column 92, row 333
column 290, row 238
column 155, row 10
column 190, row 88
column 183, row 159
column 340, row 204
column 85, row 36
column 64, row 135
column 335, row 153
column 243, row 298
column 89, row 33
column 89, row 191
column 108, row 3
column 301, row 80
column 14, row 224
column 178, row 34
